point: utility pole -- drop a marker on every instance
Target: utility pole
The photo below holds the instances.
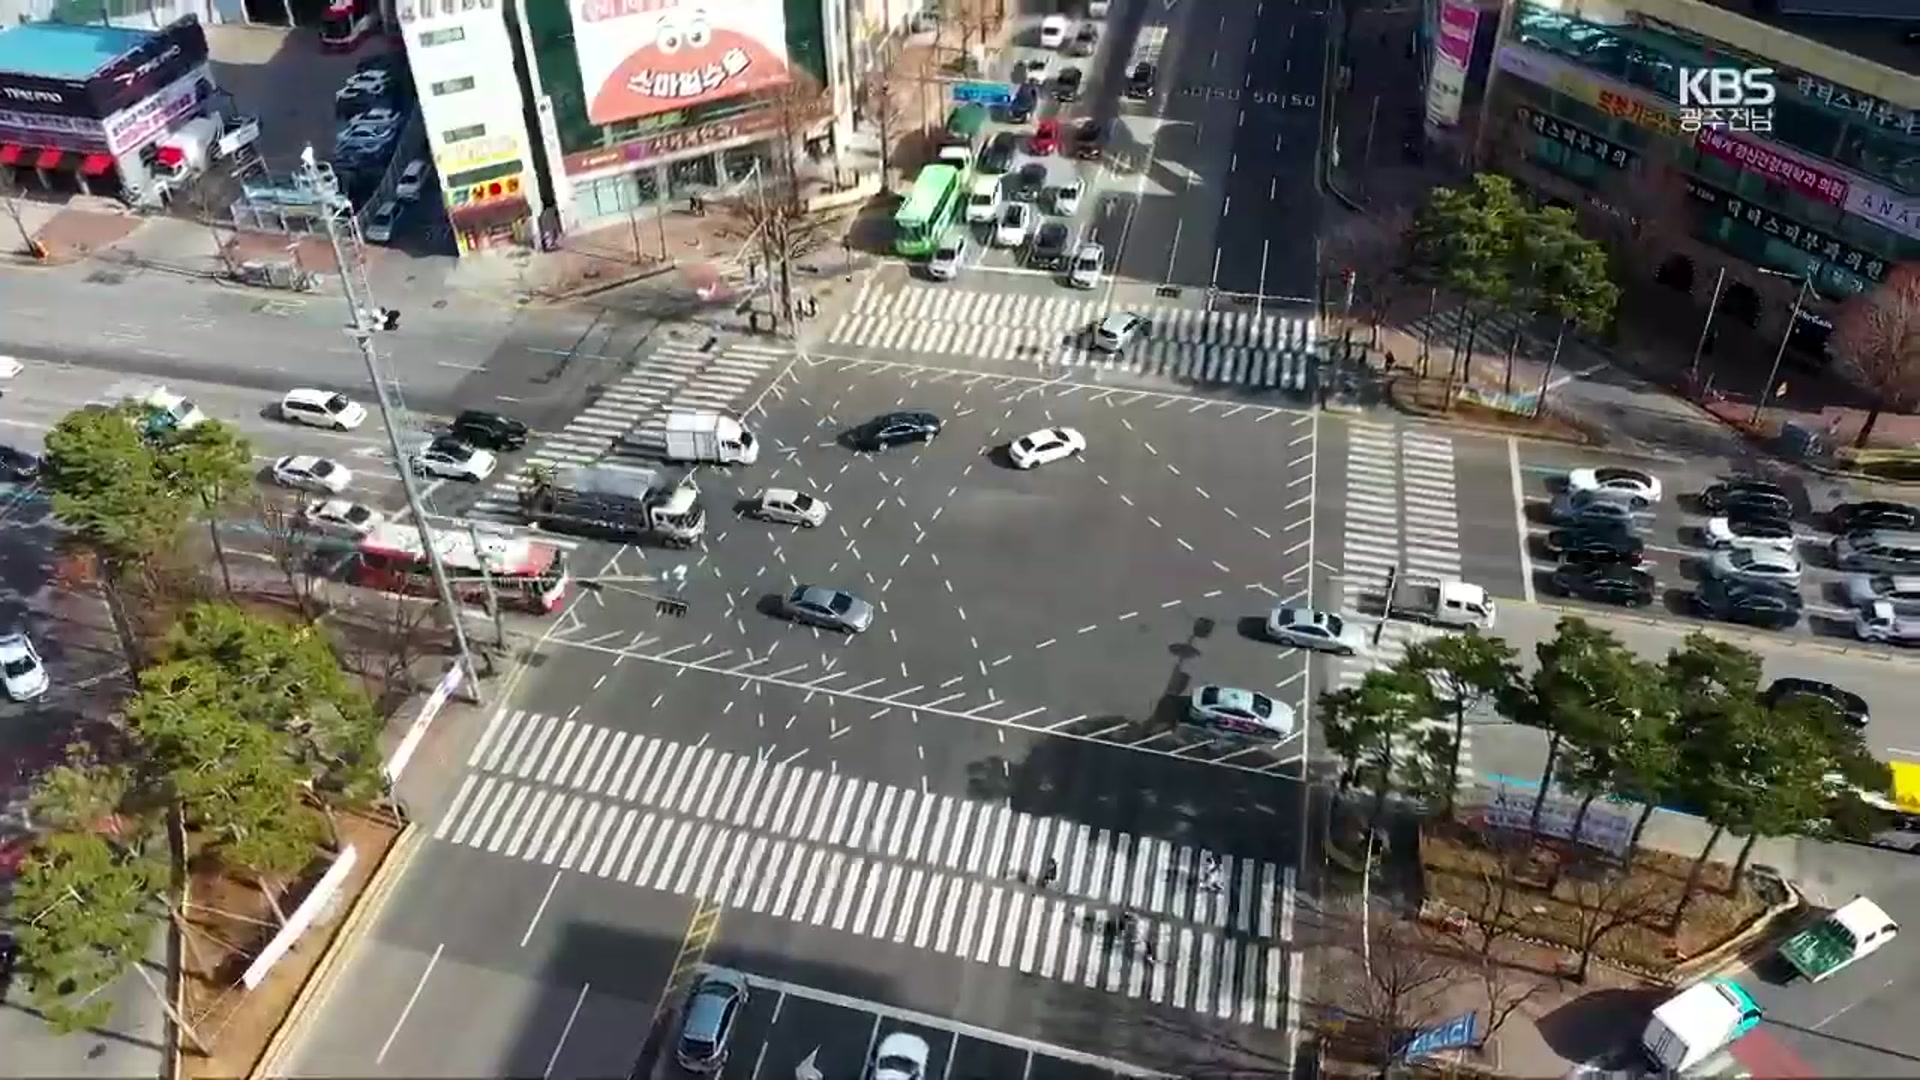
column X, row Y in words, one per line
column 363, row 321
column 486, row 579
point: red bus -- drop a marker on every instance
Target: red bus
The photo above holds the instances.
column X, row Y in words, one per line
column 526, row 574
column 347, row 23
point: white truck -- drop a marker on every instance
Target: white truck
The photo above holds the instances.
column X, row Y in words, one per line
column 633, row 503
column 1451, row 602
column 186, row 151
column 1697, row 1023
column 710, row 436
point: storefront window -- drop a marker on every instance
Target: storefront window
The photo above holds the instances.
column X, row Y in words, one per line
column 1557, row 156
column 691, row 174
column 741, row 160
column 613, row 195
column 647, row 185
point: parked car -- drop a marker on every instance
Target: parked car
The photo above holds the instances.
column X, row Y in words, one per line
column 790, row 507
column 949, row 256
column 1596, row 546
column 1016, row 221
column 1747, row 530
column 310, row 472
column 1089, row 139
column 1026, row 98
column 707, row 1022
column 1120, row 329
column 1873, row 514
column 1087, row 41
column 1606, row 583
column 381, row 222
column 1000, row 151
column 896, row 429
column 1029, row 182
column 1140, row 81
column 1851, row 706
column 322, row 409
column 1034, row 71
column 1088, row 263
column 21, row 671
column 1755, row 503
column 1046, row 137
column 829, row 609
column 1310, row 628
column 1239, row 712
column 1900, row 590
column 1053, row 31
column 1049, row 250
column 1594, row 509
column 1637, row 484
column 1756, row 564
column 900, row 1056
column 1714, row 498
column 451, row 459
column 1067, row 85
column 412, row 178
column 18, row 465
column 1066, row 197
column 1753, row 603
column 1046, row 446
column 489, row 430
column 340, row 517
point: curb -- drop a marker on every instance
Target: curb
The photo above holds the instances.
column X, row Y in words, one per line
column 1759, row 929
column 320, row 981
column 1689, row 623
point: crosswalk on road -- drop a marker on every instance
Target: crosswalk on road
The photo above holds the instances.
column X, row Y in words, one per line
column 627, row 422
column 1206, row 932
column 1237, row 347
column 1400, row 512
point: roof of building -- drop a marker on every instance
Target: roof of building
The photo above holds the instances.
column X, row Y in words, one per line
column 63, row 50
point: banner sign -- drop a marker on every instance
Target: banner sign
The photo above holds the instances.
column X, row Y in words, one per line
column 1805, row 237
column 1775, row 166
column 1511, row 808
column 1576, row 138
column 676, row 141
column 1459, row 22
column 641, row 57
column 1457, row 1032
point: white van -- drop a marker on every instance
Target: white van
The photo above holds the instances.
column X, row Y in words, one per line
column 983, row 200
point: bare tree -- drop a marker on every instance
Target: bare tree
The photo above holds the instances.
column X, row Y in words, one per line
column 225, row 242
column 1493, row 912
column 879, row 105
column 1507, row 990
column 1877, row 338
column 1395, row 985
column 290, row 546
column 1372, row 247
column 1606, row 901
column 770, row 211
column 8, row 195
column 977, row 21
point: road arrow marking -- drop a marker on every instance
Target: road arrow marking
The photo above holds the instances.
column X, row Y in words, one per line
column 809, row 1068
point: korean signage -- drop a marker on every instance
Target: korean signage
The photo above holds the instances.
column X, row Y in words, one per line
column 475, row 153
column 642, row 57
column 1775, row 166
column 1834, row 99
column 675, row 142
column 1812, row 241
column 160, row 58
column 1512, row 809
column 1615, row 101
column 1577, row 139
column 60, row 133
column 156, row 113
column 1459, row 22
column 1447, row 83
column 1737, row 99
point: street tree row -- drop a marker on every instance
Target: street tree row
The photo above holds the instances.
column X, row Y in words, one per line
column 241, row 740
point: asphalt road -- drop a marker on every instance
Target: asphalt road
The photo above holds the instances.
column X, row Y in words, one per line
column 1012, row 704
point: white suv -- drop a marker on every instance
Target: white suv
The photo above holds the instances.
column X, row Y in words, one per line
column 949, row 256
column 322, row 408
column 1053, row 31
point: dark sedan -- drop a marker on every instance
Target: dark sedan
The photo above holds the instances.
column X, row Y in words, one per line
column 998, row 157
column 1050, row 246
column 1851, row 706
column 1755, row 503
column 1090, row 141
column 489, row 430
column 1140, row 82
column 1029, row 182
column 1874, row 514
column 18, row 464
column 895, row 429
column 1715, row 497
column 1762, row 604
column 1067, row 86
column 1597, row 547
column 1606, row 584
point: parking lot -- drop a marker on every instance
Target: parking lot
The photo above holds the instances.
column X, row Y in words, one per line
column 787, row 1028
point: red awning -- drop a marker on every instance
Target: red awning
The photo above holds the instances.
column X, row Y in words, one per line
column 48, row 159
column 95, row 164
column 169, row 155
column 10, row 154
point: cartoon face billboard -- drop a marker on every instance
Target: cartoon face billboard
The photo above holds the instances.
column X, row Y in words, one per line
column 641, row 57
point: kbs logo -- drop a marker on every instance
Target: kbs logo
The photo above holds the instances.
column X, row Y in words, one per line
column 1737, row 99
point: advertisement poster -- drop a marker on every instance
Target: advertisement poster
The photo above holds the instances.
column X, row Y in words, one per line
column 1458, row 23
column 641, row 57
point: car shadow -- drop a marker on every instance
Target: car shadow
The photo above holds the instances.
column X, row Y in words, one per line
column 773, row 606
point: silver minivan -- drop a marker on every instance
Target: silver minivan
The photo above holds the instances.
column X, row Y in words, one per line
column 1889, row 551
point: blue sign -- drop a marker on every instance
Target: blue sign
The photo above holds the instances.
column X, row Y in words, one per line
column 1458, row 1031
column 982, row 93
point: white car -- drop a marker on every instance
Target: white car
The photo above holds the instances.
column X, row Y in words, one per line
column 323, row 409
column 1118, row 330
column 1087, row 265
column 983, row 202
column 1239, row 712
column 362, row 83
column 1642, row 487
column 791, row 507
column 1016, row 220
column 1045, row 447
column 1306, row 628
column 1742, row 532
column 900, row 1056
column 1036, row 71
column 380, row 223
column 452, row 459
column 381, row 117
column 341, row 517
column 1066, row 197
column 1053, row 31
column 21, row 671
column 949, row 257
column 310, row 472
column 412, row 178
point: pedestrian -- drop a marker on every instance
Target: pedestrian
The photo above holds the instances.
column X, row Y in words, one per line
column 1050, row 874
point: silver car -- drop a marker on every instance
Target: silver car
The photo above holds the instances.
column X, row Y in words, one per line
column 1593, row 508
column 1756, row 564
column 829, row 609
column 1239, row 712
column 1900, row 590
column 1117, row 331
column 1305, row 628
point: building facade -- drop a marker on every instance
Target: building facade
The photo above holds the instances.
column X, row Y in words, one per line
column 463, row 61
column 1822, row 186
column 90, row 108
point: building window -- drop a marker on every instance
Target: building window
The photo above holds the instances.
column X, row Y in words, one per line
column 462, row 134
column 447, row 36
column 452, row 86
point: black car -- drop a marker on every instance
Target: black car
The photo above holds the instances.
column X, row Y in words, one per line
column 1087, row 41
column 1025, row 100
column 1029, row 182
column 1050, row 245
column 18, row 464
column 1140, row 82
column 1585, row 535
column 1851, row 706
column 1762, row 604
column 998, row 156
column 896, row 428
column 1598, row 547
column 1606, row 584
column 1090, row 139
column 1067, row 86
column 489, row 430
column 1754, row 503
column 1715, row 497
column 1874, row 514
column 1751, row 530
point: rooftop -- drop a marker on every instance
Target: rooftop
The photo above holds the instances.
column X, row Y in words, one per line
column 62, row 50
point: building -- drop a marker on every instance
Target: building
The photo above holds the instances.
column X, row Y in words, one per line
column 90, row 108
column 1820, row 185
column 463, row 60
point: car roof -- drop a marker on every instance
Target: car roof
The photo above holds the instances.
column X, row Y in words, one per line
column 901, row 1044
column 15, row 643
column 1117, row 321
column 308, row 393
column 1767, row 555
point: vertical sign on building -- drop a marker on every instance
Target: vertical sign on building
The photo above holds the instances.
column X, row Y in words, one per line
column 1447, row 85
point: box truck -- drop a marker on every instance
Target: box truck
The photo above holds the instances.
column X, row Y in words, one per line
column 709, row 436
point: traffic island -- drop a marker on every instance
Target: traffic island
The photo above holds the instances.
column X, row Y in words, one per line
column 1428, row 399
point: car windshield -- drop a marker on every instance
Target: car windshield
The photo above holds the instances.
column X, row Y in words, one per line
column 1088, row 260
column 337, row 403
column 901, row 1065
column 802, row 502
column 1614, row 476
column 355, row 514
column 19, row 665
column 1262, row 705
column 841, row 603
column 453, row 451
column 1210, row 696
column 947, row 253
column 322, row 467
column 1333, row 623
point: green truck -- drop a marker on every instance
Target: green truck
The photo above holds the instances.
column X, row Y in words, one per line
column 1847, row 934
column 966, row 126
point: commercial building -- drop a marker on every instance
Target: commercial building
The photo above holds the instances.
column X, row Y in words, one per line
column 90, row 108
column 1820, row 185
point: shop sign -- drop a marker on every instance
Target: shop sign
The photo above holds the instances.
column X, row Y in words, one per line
column 1775, row 166
column 1736, row 99
column 642, row 150
column 1617, row 102
column 78, row 137
column 1812, row 241
column 642, row 57
column 1576, row 138
column 1884, row 208
column 469, row 154
column 157, row 62
column 153, row 115
column 1841, row 100
column 65, row 125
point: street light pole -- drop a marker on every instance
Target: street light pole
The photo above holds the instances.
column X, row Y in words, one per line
column 1706, row 329
column 1780, row 354
column 364, row 320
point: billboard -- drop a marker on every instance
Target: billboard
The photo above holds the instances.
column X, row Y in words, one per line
column 641, row 57
column 159, row 60
column 1447, row 82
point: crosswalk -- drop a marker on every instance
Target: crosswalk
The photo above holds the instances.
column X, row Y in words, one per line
column 1210, row 932
column 1400, row 511
column 1221, row 348
column 628, row 420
